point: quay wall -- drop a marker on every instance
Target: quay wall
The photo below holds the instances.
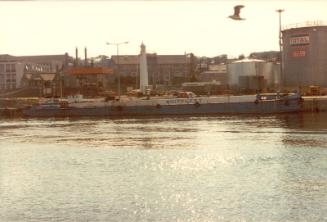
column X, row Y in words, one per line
column 314, row 104
column 10, row 112
column 12, row 107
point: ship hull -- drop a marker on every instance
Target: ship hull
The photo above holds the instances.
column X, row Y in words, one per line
column 114, row 110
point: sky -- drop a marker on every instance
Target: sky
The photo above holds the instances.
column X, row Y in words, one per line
column 165, row 27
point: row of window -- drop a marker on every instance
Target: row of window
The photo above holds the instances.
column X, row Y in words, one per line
column 7, row 68
column 7, row 76
column 3, row 87
column 8, row 81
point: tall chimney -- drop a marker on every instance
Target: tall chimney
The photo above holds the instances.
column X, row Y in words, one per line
column 85, row 54
column 76, row 56
column 143, row 70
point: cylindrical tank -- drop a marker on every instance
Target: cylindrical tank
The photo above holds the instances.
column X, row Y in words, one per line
column 253, row 67
column 245, row 67
column 305, row 56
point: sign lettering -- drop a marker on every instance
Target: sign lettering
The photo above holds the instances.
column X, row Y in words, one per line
column 300, row 40
column 299, row 53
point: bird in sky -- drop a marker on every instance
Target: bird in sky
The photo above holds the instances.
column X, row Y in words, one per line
column 237, row 10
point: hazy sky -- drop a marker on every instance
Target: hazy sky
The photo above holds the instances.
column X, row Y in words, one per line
column 165, row 27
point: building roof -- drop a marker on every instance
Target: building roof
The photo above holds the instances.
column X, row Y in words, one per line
column 126, row 59
column 35, row 59
column 248, row 60
column 173, row 59
column 161, row 59
column 43, row 58
column 7, row 57
column 305, row 24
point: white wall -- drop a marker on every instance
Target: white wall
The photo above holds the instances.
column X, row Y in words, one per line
column 19, row 74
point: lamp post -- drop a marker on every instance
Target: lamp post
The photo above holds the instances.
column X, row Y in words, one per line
column 280, row 37
column 117, row 46
column 187, row 68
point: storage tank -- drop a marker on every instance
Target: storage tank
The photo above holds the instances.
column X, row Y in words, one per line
column 253, row 68
column 304, row 55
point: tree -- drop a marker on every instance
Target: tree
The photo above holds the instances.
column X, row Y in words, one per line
column 220, row 59
column 266, row 55
column 241, row 56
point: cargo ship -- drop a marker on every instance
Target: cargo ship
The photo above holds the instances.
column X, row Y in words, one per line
column 185, row 104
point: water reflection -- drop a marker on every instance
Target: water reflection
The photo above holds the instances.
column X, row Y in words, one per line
column 295, row 130
column 217, row 168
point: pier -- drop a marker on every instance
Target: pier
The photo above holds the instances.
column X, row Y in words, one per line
column 13, row 107
column 11, row 112
column 314, row 104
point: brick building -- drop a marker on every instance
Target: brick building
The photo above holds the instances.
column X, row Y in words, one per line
column 168, row 70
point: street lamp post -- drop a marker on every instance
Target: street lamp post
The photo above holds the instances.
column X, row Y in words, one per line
column 280, row 37
column 118, row 74
column 187, row 68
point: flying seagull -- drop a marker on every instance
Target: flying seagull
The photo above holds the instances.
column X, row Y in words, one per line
column 237, row 10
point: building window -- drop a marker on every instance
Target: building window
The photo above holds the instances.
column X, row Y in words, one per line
column 13, row 67
column 2, row 68
column 8, row 67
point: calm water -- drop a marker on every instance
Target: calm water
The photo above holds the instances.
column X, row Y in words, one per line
column 223, row 168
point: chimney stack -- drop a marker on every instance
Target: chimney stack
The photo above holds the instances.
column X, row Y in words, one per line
column 85, row 54
column 76, row 56
column 144, row 82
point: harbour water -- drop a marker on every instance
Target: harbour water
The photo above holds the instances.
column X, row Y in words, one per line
column 217, row 168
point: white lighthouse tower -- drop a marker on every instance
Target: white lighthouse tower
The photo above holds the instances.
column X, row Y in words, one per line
column 143, row 70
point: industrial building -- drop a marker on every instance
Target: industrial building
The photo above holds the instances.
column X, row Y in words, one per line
column 304, row 55
column 215, row 73
column 88, row 80
column 214, row 80
column 11, row 73
column 166, row 70
column 19, row 73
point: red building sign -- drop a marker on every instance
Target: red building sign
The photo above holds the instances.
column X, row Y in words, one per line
column 298, row 53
